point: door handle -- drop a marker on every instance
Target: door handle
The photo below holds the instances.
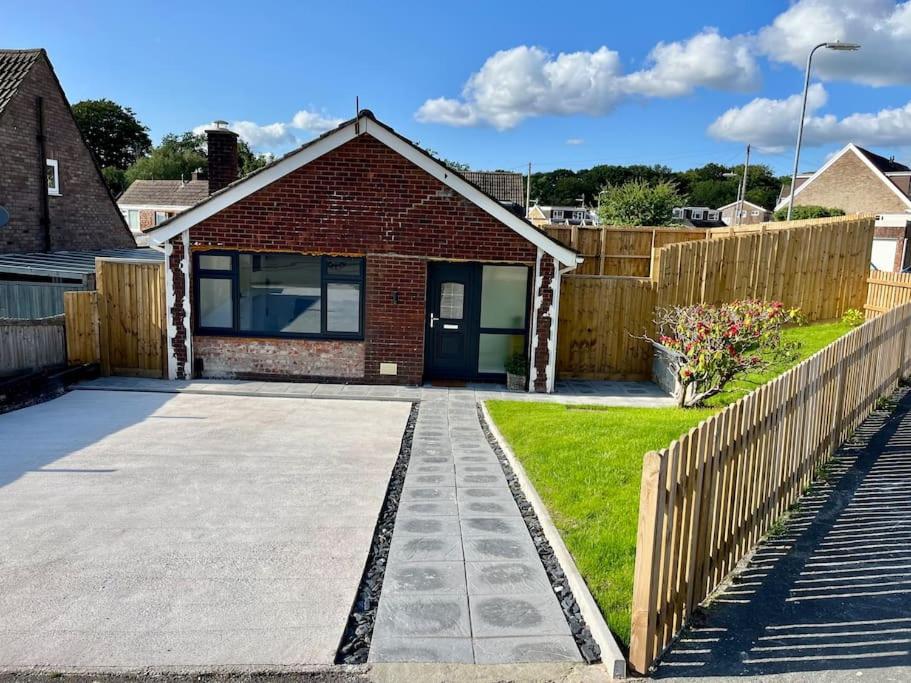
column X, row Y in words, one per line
column 433, row 319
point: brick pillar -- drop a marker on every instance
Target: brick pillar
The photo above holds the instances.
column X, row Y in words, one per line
column 544, row 301
column 223, row 165
column 177, row 331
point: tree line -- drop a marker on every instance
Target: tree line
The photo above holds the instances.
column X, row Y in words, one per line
column 124, row 150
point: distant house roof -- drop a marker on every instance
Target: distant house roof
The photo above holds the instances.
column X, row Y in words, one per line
column 68, row 265
column 165, row 193
column 504, row 186
column 882, row 163
column 14, row 66
column 746, row 202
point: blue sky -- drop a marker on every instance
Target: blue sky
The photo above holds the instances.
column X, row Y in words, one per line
column 636, row 82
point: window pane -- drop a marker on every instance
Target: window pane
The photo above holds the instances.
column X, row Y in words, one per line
column 279, row 293
column 343, row 306
column 51, row 177
column 452, row 299
column 503, row 300
column 134, row 219
column 495, row 349
column 216, row 309
column 214, row 262
column 343, row 267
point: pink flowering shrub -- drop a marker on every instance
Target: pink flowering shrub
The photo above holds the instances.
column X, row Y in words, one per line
column 709, row 345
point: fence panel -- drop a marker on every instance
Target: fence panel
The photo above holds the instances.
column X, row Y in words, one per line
column 886, row 291
column 821, row 267
column 710, row 496
column 31, row 344
column 598, row 318
column 31, row 300
column 82, row 340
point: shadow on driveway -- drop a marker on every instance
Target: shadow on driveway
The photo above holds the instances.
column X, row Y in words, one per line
column 833, row 593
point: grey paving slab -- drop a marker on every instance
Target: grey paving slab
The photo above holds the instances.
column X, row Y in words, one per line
column 434, row 578
column 447, row 508
column 430, row 525
column 425, row 616
column 425, row 548
column 455, row 650
column 487, row 548
column 536, row 614
column 428, row 494
column 524, row 649
column 151, row 529
column 507, row 527
column 499, row 578
column 487, row 508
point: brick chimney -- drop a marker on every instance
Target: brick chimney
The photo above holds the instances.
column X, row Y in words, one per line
column 223, row 166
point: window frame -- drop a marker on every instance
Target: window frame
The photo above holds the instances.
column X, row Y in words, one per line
column 53, row 163
column 234, row 275
column 164, row 216
column 504, row 331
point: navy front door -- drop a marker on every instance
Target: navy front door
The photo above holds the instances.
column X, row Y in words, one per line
column 451, row 320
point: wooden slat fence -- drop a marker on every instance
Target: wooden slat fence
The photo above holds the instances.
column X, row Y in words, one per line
column 31, row 300
column 82, row 341
column 822, row 269
column 619, row 251
column 31, row 344
column 598, row 315
column 121, row 325
column 886, row 291
column 709, row 497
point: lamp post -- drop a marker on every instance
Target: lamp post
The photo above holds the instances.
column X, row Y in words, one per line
column 839, row 47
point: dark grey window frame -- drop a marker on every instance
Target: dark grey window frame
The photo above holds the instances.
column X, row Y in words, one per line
column 234, row 275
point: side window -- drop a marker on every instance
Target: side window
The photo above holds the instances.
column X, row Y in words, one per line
column 133, row 219
column 160, row 217
column 53, row 177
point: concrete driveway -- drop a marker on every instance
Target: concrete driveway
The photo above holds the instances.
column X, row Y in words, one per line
column 143, row 530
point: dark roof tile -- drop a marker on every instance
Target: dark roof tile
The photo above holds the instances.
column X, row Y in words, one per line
column 14, row 66
column 165, row 193
column 504, row 186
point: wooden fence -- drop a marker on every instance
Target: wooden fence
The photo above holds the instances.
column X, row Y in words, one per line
column 886, row 291
column 31, row 344
column 822, row 269
column 619, row 251
column 709, row 497
column 122, row 325
column 598, row 318
column 31, row 300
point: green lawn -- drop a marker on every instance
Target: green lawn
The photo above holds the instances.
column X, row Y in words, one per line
column 586, row 464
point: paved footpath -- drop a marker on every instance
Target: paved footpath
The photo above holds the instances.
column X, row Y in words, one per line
column 464, row 582
column 831, row 598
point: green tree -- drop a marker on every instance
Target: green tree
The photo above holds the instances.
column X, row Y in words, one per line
column 803, row 212
column 115, row 179
column 112, row 132
column 639, row 202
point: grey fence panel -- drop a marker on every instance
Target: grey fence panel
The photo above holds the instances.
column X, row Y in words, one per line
column 31, row 344
column 30, row 300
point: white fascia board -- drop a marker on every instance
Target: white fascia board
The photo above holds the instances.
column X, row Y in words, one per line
column 471, row 193
column 153, row 207
column 253, row 183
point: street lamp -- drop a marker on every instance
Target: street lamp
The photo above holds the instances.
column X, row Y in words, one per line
column 838, row 47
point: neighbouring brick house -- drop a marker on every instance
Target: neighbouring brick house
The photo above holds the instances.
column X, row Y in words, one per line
column 359, row 258
column 147, row 203
column 506, row 187
column 51, row 189
column 856, row 180
column 750, row 213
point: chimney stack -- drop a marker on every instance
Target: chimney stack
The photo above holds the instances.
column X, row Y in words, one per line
column 223, row 165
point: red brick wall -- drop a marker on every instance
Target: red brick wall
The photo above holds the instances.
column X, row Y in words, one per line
column 84, row 215
column 179, row 340
column 364, row 199
column 544, row 290
column 278, row 358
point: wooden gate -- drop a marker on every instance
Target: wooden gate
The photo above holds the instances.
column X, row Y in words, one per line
column 122, row 325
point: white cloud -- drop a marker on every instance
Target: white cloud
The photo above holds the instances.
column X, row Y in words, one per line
column 281, row 135
column 771, row 125
column 882, row 27
column 527, row 81
column 706, row 60
column 575, row 141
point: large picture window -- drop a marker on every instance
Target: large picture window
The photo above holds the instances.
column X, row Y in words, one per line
column 279, row 295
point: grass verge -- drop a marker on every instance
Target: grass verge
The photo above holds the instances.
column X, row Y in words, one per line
column 586, row 464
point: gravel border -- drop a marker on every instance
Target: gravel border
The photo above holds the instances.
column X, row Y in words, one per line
column 589, row 649
column 355, row 643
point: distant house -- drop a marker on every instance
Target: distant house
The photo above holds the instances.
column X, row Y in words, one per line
column 697, row 217
column 750, row 214
column 562, row 215
column 506, row 187
column 856, row 180
column 51, row 189
column 146, row 203
column 56, row 213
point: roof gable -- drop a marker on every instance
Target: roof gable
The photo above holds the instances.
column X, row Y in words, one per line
column 364, row 124
column 863, row 156
column 746, row 202
column 14, row 67
column 164, row 193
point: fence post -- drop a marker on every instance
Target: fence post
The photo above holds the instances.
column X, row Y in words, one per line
column 648, row 560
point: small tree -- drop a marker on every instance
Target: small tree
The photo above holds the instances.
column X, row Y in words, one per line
column 638, row 202
column 803, row 212
column 708, row 345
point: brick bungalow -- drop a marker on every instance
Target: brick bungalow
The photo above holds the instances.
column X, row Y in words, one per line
column 856, row 180
column 357, row 258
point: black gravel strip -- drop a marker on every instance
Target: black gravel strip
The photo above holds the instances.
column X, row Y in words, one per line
column 355, row 642
column 591, row 653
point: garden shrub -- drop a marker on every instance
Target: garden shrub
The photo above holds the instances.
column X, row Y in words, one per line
column 853, row 317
